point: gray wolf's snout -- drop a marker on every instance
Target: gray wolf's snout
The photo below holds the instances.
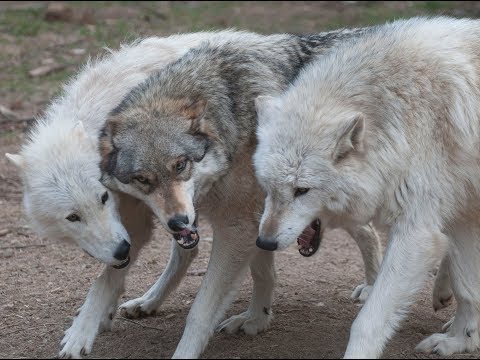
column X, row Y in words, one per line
column 267, row 243
column 121, row 253
column 178, row 222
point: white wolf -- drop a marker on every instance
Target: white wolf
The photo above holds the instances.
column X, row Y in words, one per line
column 64, row 199
column 386, row 129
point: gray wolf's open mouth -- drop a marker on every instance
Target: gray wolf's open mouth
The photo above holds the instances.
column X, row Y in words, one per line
column 124, row 264
column 310, row 239
column 188, row 238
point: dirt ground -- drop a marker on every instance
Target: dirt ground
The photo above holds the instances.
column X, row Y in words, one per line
column 43, row 282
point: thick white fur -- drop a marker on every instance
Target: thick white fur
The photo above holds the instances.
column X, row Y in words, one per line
column 59, row 168
column 60, row 172
column 387, row 130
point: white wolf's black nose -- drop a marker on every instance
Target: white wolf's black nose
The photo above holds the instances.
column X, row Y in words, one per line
column 121, row 253
column 267, row 244
column 178, row 222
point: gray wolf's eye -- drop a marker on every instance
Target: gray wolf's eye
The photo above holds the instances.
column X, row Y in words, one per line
column 104, row 197
column 180, row 166
column 301, row 191
column 73, row 217
column 142, row 179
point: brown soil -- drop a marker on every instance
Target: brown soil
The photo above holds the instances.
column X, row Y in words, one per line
column 43, row 282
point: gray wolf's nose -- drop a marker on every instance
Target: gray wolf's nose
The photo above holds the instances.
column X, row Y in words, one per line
column 178, row 222
column 121, row 253
column 267, row 244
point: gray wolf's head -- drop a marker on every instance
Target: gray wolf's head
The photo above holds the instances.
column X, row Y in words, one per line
column 63, row 197
column 306, row 162
column 162, row 151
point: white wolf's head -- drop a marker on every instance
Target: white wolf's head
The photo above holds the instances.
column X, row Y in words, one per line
column 63, row 197
column 305, row 161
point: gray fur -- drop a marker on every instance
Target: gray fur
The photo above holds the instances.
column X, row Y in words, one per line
column 163, row 120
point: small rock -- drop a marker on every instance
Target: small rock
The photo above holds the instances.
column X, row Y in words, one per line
column 48, row 61
column 5, row 254
column 320, row 304
column 57, row 11
column 4, row 232
column 170, row 316
column 45, row 70
column 78, row 52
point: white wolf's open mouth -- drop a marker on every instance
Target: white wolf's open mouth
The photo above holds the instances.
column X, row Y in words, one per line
column 188, row 238
column 124, row 264
column 310, row 239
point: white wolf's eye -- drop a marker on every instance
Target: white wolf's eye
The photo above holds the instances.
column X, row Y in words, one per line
column 104, row 197
column 300, row 191
column 73, row 217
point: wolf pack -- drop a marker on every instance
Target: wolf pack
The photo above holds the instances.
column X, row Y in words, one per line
column 272, row 139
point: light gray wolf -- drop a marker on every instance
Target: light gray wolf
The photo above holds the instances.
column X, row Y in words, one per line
column 183, row 142
column 386, row 129
column 64, row 199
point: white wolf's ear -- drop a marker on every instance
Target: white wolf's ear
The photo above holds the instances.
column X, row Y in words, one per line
column 352, row 138
column 79, row 130
column 264, row 104
column 16, row 159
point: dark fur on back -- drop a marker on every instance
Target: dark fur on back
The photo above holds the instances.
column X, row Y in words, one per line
column 230, row 77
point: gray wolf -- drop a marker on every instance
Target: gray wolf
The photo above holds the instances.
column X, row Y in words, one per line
column 182, row 142
column 64, row 199
column 386, row 129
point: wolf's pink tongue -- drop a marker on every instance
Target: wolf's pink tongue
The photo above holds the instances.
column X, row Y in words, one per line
column 305, row 239
column 310, row 238
column 184, row 233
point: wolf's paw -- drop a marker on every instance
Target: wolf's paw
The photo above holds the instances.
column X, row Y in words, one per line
column 138, row 308
column 361, row 293
column 79, row 338
column 450, row 343
column 250, row 324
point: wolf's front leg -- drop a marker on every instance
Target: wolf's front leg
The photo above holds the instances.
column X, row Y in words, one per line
column 411, row 252
column 148, row 304
column 259, row 314
column 95, row 314
column 370, row 246
column 228, row 263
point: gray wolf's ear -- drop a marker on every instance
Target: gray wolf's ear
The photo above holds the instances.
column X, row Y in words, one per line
column 16, row 160
column 105, row 145
column 264, row 104
column 352, row 139
column 195, row 112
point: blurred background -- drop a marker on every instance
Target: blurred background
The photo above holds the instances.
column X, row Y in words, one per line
column 43, row 282
column 43, row 43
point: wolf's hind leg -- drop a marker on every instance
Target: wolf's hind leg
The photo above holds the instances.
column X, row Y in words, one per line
column 442, row 290
column 258, row 316
column 462, row 334
column 370, row 246
column 148, row 304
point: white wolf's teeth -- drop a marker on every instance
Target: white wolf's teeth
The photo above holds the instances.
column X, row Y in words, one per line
column 193, row 236
column 181, row 241
column 310, row 250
